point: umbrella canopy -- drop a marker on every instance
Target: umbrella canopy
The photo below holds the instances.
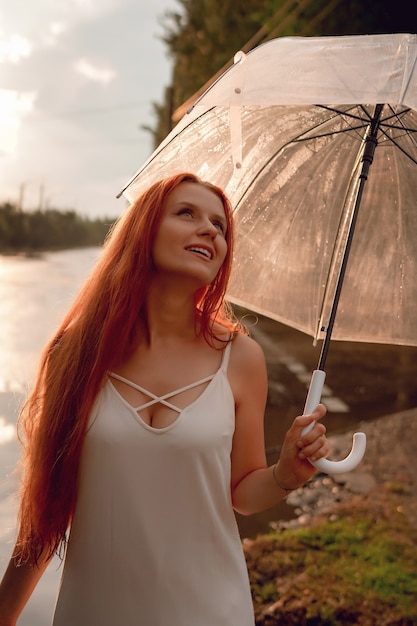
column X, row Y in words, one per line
column 292, row 132
column 283, row 131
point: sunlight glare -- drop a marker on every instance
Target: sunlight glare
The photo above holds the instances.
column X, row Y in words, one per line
column 13, row 105
column 87, row 69
column 7, row 431
column 14, row 48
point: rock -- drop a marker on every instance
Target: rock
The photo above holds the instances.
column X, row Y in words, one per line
column 388, row 465
column 356, row 482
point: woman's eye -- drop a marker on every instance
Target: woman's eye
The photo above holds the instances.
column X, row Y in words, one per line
column 220, row 226
column 185, row 212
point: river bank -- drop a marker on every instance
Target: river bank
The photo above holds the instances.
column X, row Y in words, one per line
column 350, row 554
column 388, row 466
column 341, row 549
column 364, row 383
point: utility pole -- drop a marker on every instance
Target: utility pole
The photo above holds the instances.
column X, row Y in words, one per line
column 19, row 206
column 41, row 196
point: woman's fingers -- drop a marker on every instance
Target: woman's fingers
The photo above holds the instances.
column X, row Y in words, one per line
column 318, row 449
column 314, row 444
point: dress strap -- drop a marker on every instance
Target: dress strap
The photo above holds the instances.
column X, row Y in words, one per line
column 160, row 399
column 226, row 357
column 164, row 398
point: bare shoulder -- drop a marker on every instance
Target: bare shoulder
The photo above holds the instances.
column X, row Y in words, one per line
column 247, row 369
column 246, row 351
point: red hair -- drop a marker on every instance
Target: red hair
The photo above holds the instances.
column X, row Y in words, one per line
column 99, row 331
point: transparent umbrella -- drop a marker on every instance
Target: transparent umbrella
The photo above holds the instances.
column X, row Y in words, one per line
column 315, row 142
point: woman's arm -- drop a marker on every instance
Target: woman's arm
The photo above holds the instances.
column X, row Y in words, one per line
column 17, row 586
column 256, row 487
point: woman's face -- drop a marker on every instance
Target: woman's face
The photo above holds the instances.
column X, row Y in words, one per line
column 191, row 237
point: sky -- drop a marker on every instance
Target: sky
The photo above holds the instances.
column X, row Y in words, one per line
column 77, row 83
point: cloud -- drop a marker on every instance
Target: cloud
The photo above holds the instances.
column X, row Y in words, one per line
column 13, row 48
column 7, row 431
column 13, row 106
column 99, row 75
column 53, row 32
column 82, row 96
column 43, row 23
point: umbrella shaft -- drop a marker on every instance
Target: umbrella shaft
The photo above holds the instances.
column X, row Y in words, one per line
column 371, row 142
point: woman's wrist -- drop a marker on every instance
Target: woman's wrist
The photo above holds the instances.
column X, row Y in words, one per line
column 280, row 484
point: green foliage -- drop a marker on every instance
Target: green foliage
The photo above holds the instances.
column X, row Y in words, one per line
column 48, row 230
column 266, row 592
column 358, row 569
column 202, row 36
column 365, row 556
column 205, row 35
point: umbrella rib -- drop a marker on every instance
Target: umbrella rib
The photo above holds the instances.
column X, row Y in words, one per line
column 406, row 129
column 162, row 146
column 401, row 127
column 303, row 137
column 395, row 115
column 342, row 114
column 397, row 145
column 333, row 132
column 384, row 123
column 346, row 113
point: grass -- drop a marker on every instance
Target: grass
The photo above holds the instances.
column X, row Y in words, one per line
column 356, row 566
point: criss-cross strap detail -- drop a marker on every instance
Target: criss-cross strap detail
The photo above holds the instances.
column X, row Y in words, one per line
column 160, row 399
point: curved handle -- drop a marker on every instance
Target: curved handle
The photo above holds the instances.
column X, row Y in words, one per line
column 359, row 439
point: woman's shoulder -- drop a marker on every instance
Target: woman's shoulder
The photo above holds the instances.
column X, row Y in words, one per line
column 247, row 356
column 247, row 369
column 245, row 351
column 244, row 345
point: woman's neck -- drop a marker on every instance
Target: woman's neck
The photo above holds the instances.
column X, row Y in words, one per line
column 171, row 314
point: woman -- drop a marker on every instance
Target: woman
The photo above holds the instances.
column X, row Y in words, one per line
column 145, row 430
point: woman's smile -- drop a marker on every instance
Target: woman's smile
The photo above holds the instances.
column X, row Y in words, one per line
column 194, row 222
column 206, row 252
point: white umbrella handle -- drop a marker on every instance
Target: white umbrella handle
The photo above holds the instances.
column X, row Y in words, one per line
column 359, row 439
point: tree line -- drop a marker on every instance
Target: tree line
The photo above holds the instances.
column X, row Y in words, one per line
column 48, row 230
column 202, row 37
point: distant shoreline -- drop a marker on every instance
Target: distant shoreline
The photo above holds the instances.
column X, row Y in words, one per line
column 33, row 253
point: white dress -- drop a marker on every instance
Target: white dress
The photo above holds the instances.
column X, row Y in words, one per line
column 154, row 540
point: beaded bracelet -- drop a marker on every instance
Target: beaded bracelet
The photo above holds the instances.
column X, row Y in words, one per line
column 286, row 489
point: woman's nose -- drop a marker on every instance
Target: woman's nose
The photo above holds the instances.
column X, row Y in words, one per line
column 208, row 229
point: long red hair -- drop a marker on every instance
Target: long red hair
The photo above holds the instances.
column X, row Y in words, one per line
column 99, row 331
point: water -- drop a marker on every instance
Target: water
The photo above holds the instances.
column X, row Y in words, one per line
column 34, row 295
